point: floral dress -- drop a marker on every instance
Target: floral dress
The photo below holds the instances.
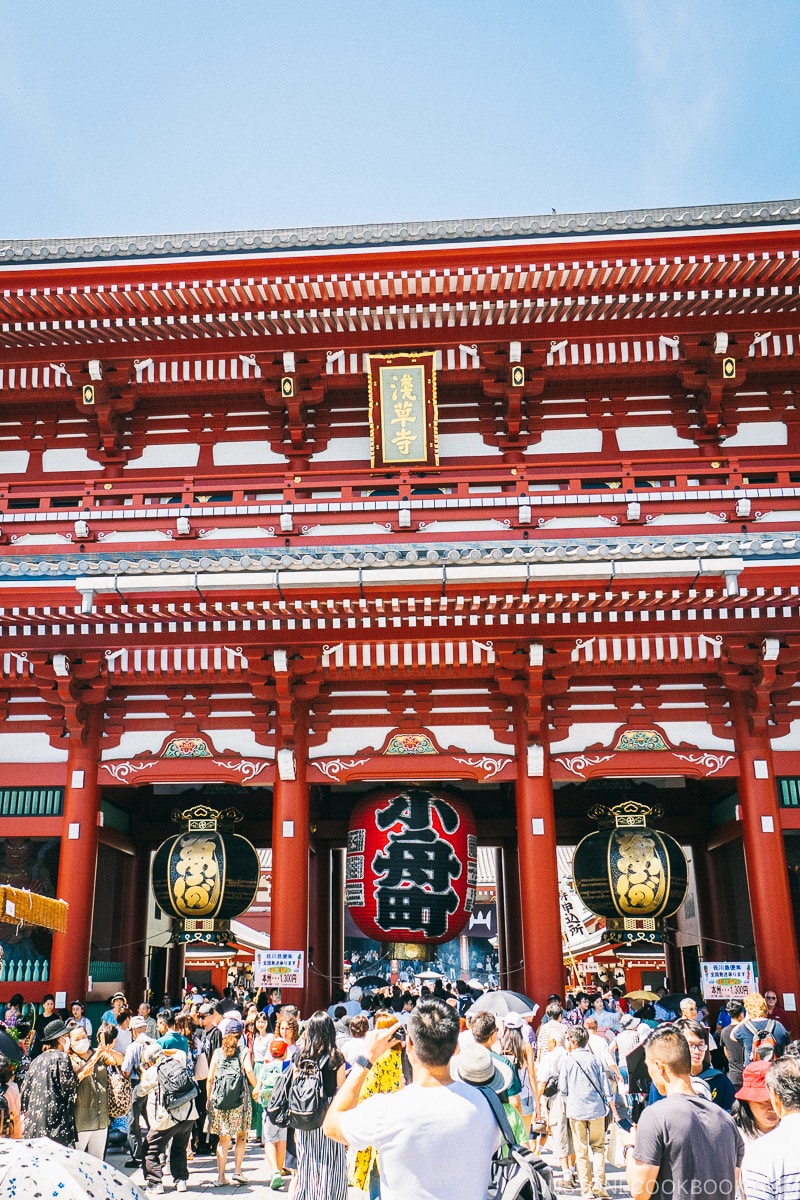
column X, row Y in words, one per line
column 48, row 1098
column 385, row 1075
column 231, row 1121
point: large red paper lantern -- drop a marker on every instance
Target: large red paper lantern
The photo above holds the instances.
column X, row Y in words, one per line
column 412, row 861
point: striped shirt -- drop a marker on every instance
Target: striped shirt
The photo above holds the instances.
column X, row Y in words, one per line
column 771, row 1167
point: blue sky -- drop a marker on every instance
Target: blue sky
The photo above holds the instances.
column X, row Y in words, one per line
column 156, row 116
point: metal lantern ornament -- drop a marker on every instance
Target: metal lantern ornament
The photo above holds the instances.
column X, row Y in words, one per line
column 630, row 873
column 206, row 875
column 412, row 862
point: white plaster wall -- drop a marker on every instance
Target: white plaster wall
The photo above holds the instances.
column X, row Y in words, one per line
column 568, row 441
column 73, row 459
column 696, row 733
column 651, row 437
column 344, row 450
column 581, row 736
column 238, row 741
column 177, row 454
column 13, row 462
column 790, row 740
column 347, row 742
column 462, row 445
column 759, row 433
column 235, row 454
column 137, row 742
column 29, row 748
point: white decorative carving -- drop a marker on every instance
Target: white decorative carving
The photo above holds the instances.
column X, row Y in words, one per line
column 710, row 762
column 578, row 763
column 490, row 766
column 122, row 771
column 245, row 766
column 332, row 768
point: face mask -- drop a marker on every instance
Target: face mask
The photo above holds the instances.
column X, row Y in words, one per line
column 81, row 1046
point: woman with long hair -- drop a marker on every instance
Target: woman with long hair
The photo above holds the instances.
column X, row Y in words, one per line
column 228, row 1100
column 519, row 1053
column 288, row 1029
column 321, row 1162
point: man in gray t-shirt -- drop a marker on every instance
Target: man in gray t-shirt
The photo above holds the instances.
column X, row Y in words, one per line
column 685, row 1146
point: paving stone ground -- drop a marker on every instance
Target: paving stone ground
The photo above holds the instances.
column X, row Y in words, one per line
column 202, row 1174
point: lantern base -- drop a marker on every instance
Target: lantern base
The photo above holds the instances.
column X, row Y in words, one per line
column 409, row 951
column 208, row 932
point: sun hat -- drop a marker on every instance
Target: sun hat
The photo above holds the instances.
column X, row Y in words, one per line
column 119, row 996
column 205, row 1010
column 277, row 1047
column 53, row 1031
column 628, row 1019
column 138, row 1023
column 753, row 1085
column 474, row 1064
column 152, row 1053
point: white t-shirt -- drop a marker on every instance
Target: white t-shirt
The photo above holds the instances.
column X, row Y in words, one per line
column 434, row 1143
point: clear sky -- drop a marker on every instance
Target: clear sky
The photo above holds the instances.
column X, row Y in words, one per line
column 159, row 116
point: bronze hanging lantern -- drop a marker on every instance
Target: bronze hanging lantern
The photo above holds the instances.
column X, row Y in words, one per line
column 206, row 875
column 631, row 874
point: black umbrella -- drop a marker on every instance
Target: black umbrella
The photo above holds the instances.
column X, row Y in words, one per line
column 9, row 1047
column 672, row 1002
column 372, row 981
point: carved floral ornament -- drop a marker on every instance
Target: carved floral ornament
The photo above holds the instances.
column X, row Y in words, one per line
column 189, row 758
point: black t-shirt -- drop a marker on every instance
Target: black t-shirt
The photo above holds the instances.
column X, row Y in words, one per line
column 694, row 1144
column 735, row 1052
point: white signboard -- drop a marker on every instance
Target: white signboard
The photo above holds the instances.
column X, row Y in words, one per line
column 727, row 980
column 278, row 968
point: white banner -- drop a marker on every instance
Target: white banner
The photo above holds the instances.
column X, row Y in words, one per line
column 279, row 968
column 727, row 980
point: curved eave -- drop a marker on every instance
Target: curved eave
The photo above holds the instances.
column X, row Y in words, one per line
column 350, row 238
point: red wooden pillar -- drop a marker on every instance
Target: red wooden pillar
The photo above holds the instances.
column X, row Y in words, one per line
column 134, row 928
column 514, row 977
column 77, row 866
column 337, row 922
column 290, row 846
column 318, row 983
column 538, row 871
column 765, row 858
column 500, row 904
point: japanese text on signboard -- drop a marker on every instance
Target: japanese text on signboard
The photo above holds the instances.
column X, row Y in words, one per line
column 727, row 980
column 279, row 968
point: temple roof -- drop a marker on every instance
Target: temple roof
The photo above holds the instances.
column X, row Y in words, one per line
column 332, row 238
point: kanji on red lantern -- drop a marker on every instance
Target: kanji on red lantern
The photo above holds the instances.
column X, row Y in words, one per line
column 411, row 865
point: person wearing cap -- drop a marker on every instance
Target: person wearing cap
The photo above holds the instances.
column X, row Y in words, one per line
column 435, row 1137
column 272, row 1137
column 231, row 1124
column 632, row 1032
column 131, row 1069
column 118, row 1002
column 171, row 1127
column 49, row 1089
column 771, row 1166
column 752, row 1109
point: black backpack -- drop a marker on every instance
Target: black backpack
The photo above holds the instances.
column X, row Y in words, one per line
column 517, row 1174
column 175, row 1083
column 298, row 1098
column 227, row 1091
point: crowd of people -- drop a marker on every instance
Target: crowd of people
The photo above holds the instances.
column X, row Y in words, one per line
column 680, row 1105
